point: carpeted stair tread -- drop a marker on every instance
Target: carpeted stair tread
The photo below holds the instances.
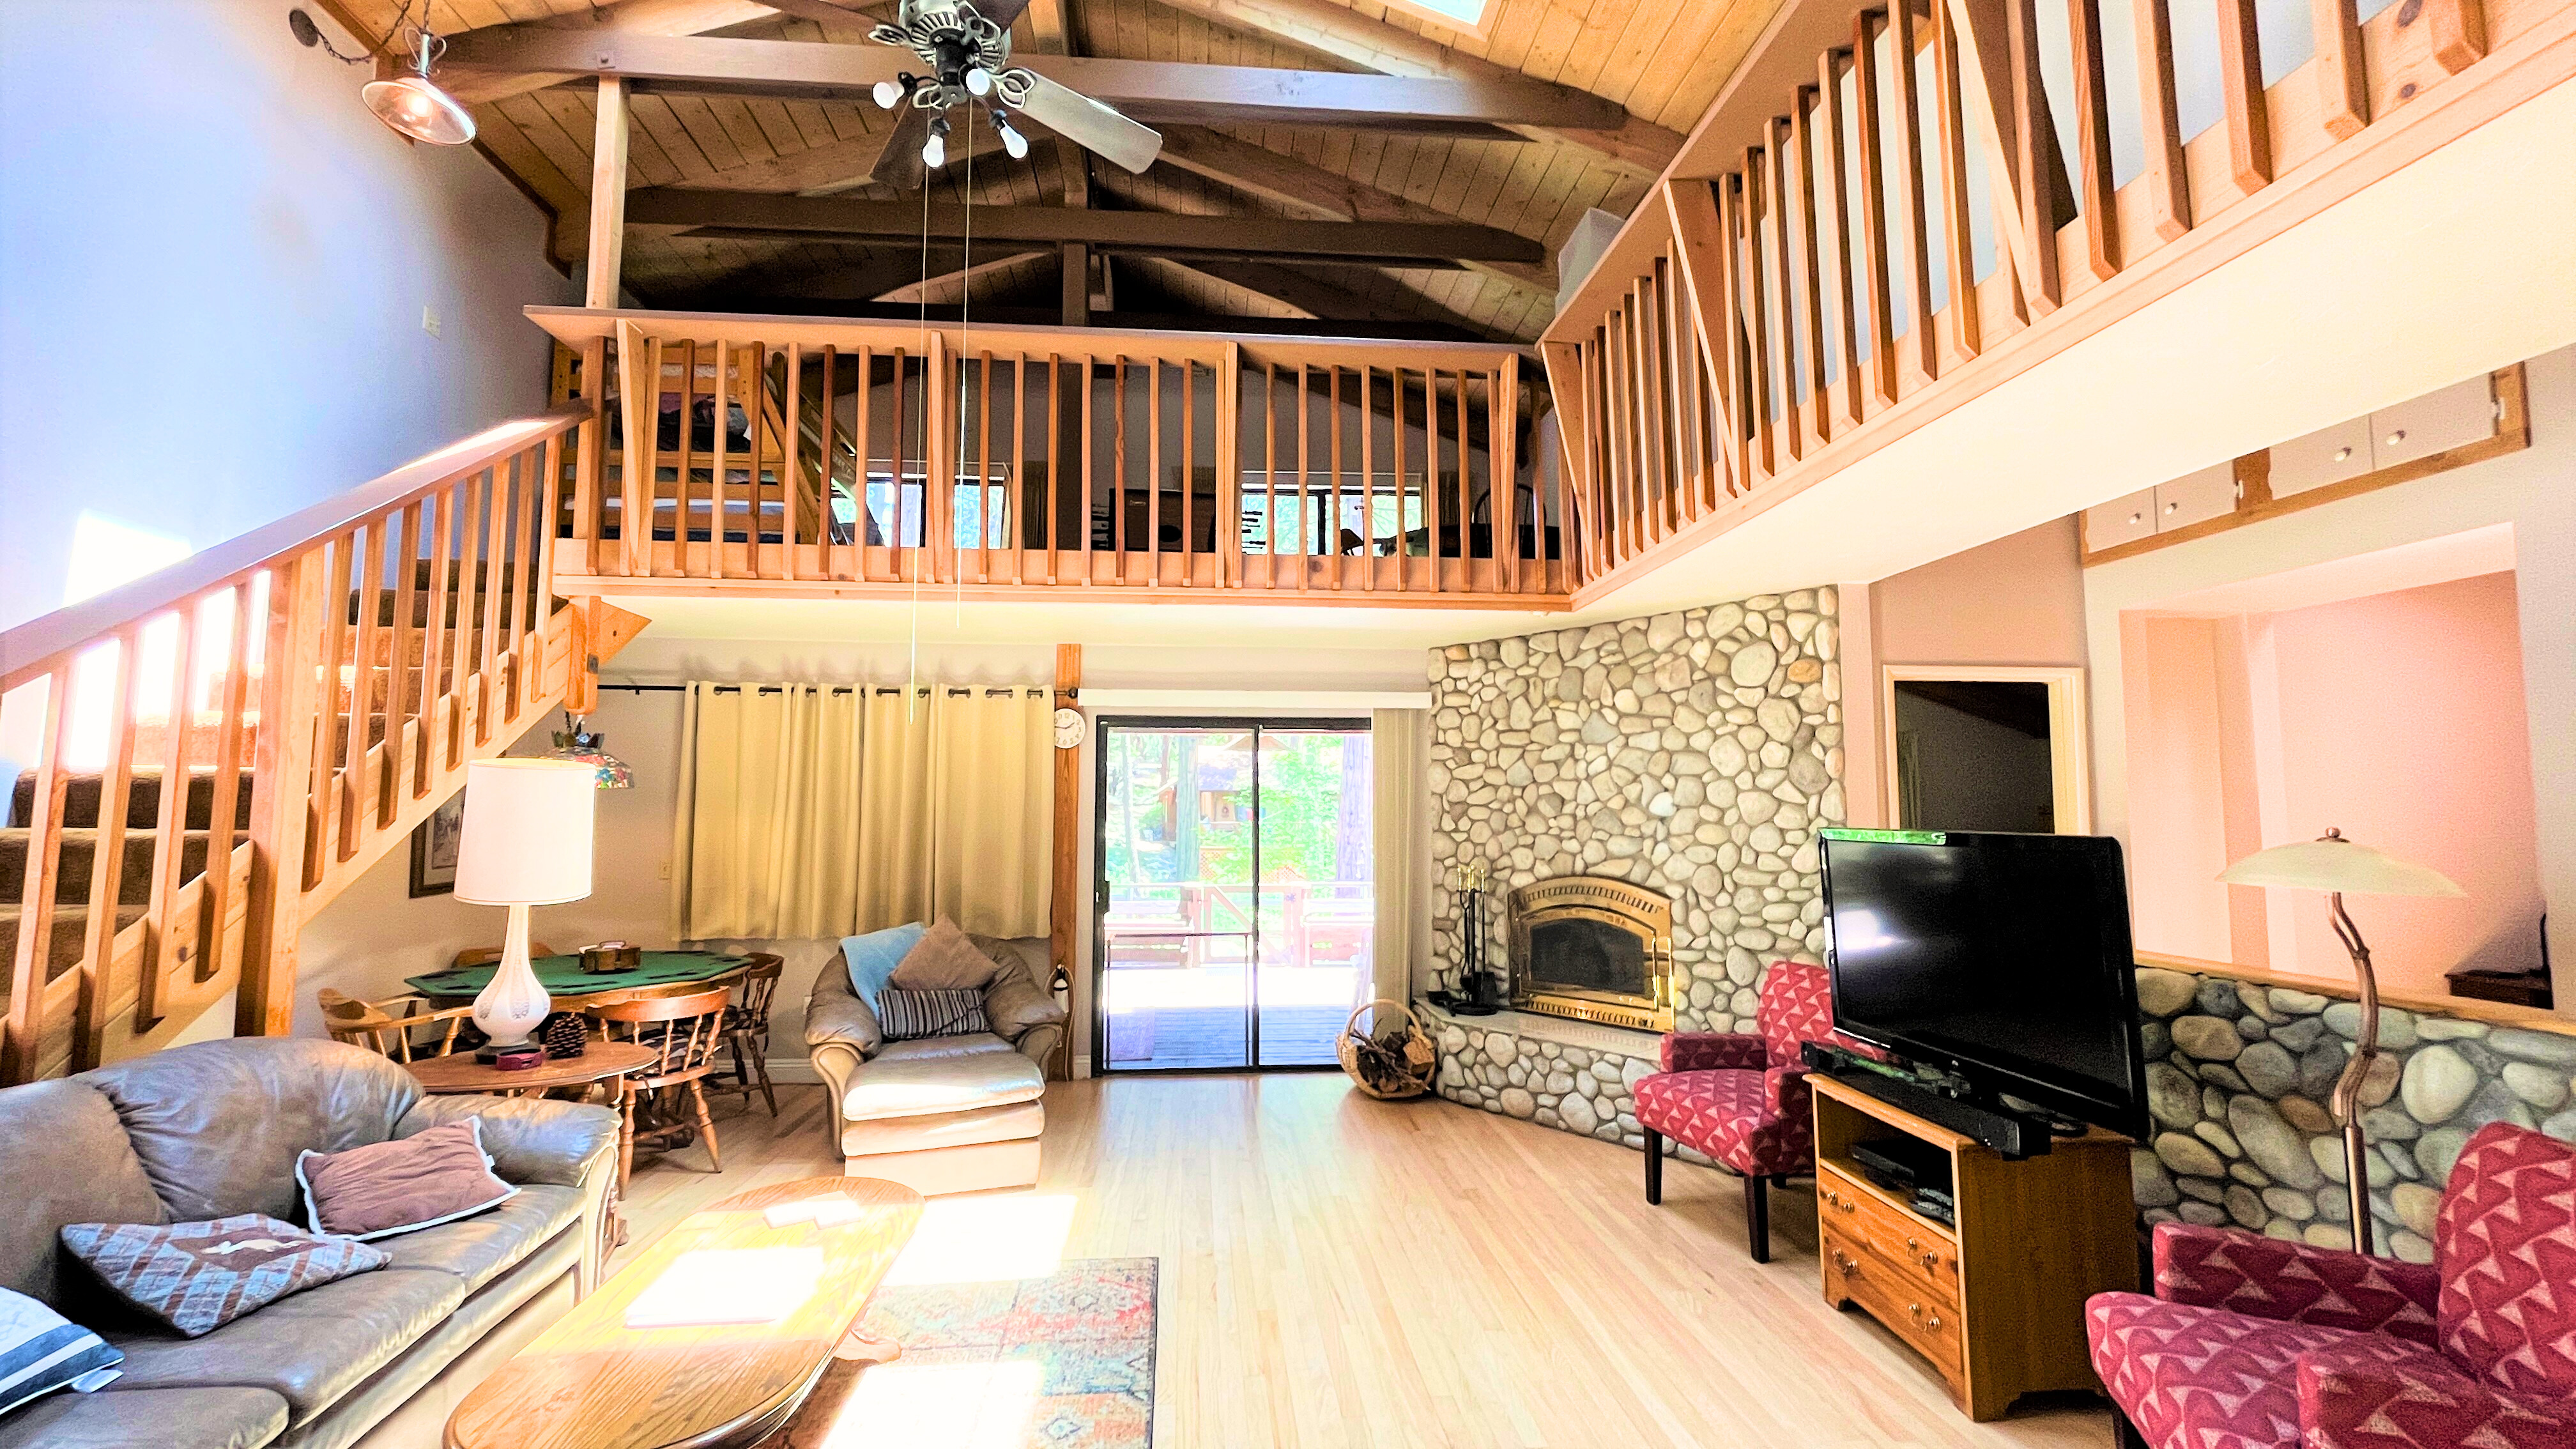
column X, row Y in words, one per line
column 71, row 930
column 79, row 851
column 142, row 807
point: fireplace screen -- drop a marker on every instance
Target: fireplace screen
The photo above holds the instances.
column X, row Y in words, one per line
column 1594, row 949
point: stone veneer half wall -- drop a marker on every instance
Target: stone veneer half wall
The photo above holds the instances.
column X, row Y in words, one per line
column 1692, row 753
column 2238, row 1075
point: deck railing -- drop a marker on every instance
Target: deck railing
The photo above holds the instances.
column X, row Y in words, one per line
column 1877, row 220
column 788, row 456
column 220, row 747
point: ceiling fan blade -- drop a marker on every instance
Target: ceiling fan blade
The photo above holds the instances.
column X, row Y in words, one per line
column 899, row 164
column 1002, row 12
column 1086, row 122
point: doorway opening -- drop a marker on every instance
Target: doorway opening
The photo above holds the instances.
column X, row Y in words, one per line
column 1235, row 904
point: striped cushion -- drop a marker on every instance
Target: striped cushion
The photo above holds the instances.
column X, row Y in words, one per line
column 41, row 1351
column 906, row 1015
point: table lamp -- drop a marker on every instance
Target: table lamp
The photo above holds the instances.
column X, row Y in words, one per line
column 527, row 843
column 2335, row 865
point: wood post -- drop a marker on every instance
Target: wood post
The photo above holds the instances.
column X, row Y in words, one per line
column 1068, row 901
column 290, row 691
column 607, row 197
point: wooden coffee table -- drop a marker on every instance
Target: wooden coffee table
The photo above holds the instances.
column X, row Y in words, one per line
column 590, row 1382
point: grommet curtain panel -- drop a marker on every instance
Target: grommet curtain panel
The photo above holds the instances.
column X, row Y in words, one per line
column 813, row 811
column 1399, row 742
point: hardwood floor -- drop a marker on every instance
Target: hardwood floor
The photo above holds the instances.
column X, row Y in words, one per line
column 1343, row 1272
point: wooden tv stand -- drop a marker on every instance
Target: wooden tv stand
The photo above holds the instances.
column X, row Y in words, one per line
column 1996, row 1303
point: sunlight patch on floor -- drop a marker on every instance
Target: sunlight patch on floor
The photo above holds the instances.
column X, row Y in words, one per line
column 937, row 1406
column 986, row 1240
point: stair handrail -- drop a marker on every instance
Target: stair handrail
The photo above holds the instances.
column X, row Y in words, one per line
column 30, row 649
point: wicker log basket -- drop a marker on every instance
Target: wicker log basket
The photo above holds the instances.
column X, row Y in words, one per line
column 1392, row 1059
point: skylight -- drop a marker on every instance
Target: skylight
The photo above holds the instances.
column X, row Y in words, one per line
column 1464, row 14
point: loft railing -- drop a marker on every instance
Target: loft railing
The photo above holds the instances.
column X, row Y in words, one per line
column 221, row 747
column 786, row 456
column 1851, row 243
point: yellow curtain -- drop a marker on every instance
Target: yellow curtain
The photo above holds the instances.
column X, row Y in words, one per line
column 811, row 812
column 892, row 806
column 765, row 846
column 993, row 783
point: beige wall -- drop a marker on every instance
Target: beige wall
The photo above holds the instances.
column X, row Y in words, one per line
column 375, row 934
column 2016, row 601
column 2528, row 497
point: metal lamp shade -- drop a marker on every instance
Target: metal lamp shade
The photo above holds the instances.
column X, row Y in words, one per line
column 418, row 109
column 527, row 833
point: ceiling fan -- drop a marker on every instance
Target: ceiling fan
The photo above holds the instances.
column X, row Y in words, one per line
column 968, row 54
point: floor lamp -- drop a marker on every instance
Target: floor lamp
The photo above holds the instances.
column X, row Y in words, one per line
column 2336, row 866
column 527, row 843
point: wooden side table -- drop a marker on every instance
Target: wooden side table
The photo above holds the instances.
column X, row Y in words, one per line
column 602, row 1061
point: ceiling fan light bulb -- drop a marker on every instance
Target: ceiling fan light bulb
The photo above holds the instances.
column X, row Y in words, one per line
column 888, row 95
column 1012, row 141
column 979, row 81
column 934, row 152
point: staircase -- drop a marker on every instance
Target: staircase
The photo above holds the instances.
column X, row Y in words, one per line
column 393, row 636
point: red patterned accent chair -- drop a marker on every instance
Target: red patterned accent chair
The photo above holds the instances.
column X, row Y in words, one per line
column 2256, row 1343
column 1741, row 1098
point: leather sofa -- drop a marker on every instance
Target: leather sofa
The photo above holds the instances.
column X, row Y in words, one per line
column 205, row 1131
column 941, row 1114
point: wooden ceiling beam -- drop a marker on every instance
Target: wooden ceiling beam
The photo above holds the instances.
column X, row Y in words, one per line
column 1147, row 91
column 1320, row 194
column 642, row 17
column 1365, row 243
column 1636, row 146
column 932, row 286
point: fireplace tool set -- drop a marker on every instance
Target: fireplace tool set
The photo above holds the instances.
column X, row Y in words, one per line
column 1479, row 990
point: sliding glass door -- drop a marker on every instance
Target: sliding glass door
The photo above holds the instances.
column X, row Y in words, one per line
column 1236, row 914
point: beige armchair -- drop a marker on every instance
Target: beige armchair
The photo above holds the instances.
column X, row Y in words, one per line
column 941, row 1114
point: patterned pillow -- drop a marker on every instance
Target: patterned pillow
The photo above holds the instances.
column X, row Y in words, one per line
column 197, row 1277
column 908, row 1015
column 415, row 1182
column 41, row 1351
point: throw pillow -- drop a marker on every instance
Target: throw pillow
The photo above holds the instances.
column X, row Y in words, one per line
column 197, row 1277
column 945, row 960
column 911, row 1015
column 415, row 1182
column 41, row 1351
column 872, row 958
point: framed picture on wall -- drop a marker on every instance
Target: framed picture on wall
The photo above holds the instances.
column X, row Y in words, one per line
column 434, row 846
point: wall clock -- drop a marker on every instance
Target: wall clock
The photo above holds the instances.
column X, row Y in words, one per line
column 1068, row 728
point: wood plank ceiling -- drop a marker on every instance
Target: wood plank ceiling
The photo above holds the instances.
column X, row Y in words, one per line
column 1661, row 60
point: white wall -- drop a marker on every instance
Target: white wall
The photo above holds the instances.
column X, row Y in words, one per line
column 213, row 263
column 2533, row 493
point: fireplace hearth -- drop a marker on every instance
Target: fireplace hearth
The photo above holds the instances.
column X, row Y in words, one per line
column 1594, row 949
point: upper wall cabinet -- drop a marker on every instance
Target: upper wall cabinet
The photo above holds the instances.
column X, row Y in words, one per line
column 2468, row 422
column 2121, row 520
column 2196, row 497
column 2329, row 455
column 2455, row 417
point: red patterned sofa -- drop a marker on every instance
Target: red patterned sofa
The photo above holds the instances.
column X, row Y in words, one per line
column 2256, row 1343
column 1741, row 1098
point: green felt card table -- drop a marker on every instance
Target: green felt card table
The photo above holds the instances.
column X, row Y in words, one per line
column 573, row 989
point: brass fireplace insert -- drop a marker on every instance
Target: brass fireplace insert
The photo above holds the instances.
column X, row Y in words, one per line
column 1594, row 949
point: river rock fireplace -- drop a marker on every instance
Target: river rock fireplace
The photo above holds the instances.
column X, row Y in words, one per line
column 1594, row 949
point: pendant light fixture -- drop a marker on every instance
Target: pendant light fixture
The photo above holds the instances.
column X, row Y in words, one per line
column 412, row 105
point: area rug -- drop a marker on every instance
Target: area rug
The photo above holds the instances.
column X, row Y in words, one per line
column 1060, row 1362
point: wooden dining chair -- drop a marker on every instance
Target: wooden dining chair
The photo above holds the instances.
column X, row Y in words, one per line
column 403, row 1028
column 747, row 1033
column 486, row 955
column 684, row 1031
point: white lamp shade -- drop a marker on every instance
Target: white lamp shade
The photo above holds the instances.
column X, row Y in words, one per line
column 2336, row 864
column 527, row 832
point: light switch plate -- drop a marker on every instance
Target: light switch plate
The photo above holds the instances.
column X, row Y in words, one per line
column 429, row 321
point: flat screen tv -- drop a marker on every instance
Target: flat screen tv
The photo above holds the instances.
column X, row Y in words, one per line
column 2002, row 958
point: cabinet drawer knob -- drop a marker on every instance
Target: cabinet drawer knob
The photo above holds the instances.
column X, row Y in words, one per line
column 2397, row 437
column 1934, row 1322
column 2343, row 455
